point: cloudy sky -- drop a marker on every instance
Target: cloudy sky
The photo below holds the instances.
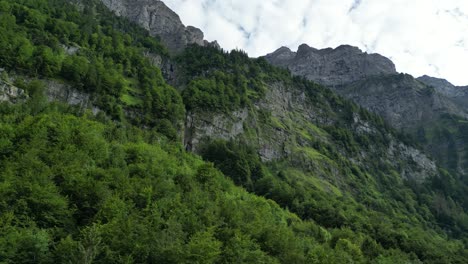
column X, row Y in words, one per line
column 420, row 36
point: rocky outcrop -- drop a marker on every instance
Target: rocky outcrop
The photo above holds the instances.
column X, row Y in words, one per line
column 401, row 100
column 282, row 125
column 331, row 67
column 57, row 91
column 426, row 166
column 169, row 69
column 371, row 81
column 206, row 126
column 159, row 20
column 54, row 91
column 459, row 94
column 263, row 122
column 10, row 93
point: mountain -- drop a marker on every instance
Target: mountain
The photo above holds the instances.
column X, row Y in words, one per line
column 403, row 101
column 234, row 160
column 431, row 110
column 458, row 94
column 331, row 67
column 159, row 20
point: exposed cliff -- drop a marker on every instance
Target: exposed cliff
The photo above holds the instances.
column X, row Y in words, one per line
column 159, row 20
column 10, row 93
column 458, row 94
column 401, row 100
column 432, row 110
column 371, row 81
column 54, row 91
column 286, row 124
column 331, row 67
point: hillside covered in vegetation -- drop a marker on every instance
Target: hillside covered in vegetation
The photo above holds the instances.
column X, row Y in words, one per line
column 238, row 163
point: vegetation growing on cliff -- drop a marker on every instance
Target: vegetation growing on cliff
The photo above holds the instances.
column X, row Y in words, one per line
column 336, row 174
column 79, row 188
column 94, row 51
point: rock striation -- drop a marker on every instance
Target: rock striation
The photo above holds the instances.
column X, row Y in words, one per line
column 62, row 92
column 331, row 67
column 372, row 81
column 401, row 100
column 459, row 94
column 159, row 20
column 277, row 137
column 427, row 108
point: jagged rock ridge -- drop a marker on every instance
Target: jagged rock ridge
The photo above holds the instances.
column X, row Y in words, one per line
column 372, row 81
column 458, row 94
column 418, row 106
column 401, row 100
column 331, row 67
column 159, row 20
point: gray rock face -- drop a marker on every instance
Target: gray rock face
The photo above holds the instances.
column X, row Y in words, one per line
column 10, row 93
column 331, row 67
column 168, row 68
column 459, row 94
column 371, row 81
column 201, row 126
column 159, row 20
column 401, row 100
column 272, row 125
column 56, row 91
column 417, row 106
column 413, row 155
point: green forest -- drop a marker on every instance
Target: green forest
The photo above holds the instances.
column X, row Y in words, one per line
column 120, row 187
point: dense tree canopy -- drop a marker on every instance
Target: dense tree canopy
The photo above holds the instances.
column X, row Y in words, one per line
column 118, row 187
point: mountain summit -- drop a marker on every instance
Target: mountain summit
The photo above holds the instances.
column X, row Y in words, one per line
column 159, row 20
column 432, row 110
column 459, row 94
column 331, row 67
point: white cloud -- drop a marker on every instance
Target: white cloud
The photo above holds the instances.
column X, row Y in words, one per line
column 420, row 36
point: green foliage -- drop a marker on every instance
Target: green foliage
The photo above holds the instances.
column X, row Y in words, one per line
column 77, row 190
column 238, row 161
column 338, row 171
column 92, row 50
column 218, row 80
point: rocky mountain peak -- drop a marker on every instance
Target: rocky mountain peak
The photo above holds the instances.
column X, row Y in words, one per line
column 159, row 20
column 434, row 81
column 304, row 49
column 332, row 67
column 443, row 86
column 401, row 100
column 459, row 94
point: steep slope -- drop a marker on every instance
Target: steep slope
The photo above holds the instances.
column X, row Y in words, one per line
column 319, row 151
column 159, row 20
column 401, row 100
column 458, row 94
column 430, row 116
column 76, row 190
column 118, row 187
column 450, row 135
column 432, row 111
column 371, row 81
